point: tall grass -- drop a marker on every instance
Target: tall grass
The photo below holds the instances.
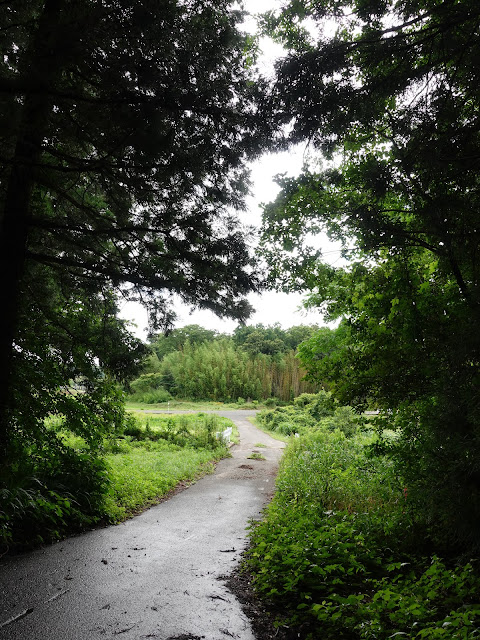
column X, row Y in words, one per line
column 140, row 478
column 158, row 451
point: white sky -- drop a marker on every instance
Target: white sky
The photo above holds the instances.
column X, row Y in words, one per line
column 271, row 307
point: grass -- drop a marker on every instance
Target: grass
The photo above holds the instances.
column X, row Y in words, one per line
column 158, row 452
column 255, row 455
column 187, row 405
column 273, row 434
column 141, row 478
column 189, row 422
column 192, row 421
column 75, row 487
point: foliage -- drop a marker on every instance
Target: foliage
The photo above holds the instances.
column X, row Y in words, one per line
column 338, row 551
column 140, row 477
column 327, row 357
column 311, row 412
column 155, row 453
column 194, row 431
column 148, row 389
column 256, row 455
column 391, row 101
column 271, row 340
column 188, row 405
column 46, row 485
column 153, row 135
column 51, row 490
column 174, row 340
column 158, row 396
column 123, row 165
column 222, row 370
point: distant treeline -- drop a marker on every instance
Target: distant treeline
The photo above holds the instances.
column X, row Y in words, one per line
column 255, row 363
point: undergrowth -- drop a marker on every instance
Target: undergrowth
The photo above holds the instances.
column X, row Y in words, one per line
column 343, row 553
column 311, row 412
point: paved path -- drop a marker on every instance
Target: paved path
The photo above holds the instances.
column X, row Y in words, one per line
column 157, row 575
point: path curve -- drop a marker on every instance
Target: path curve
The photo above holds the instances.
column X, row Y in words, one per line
column 157, row 575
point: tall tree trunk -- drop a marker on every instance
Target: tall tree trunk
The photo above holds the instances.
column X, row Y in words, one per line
column 41, row 66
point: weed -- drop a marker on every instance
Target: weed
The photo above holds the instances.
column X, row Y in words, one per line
column 71, row 487
column 140, row 477
column 255, row 455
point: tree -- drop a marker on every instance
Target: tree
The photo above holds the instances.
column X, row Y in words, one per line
column 270, row 340
column 392, row 102
column 176, row 339
column 326, row 355
column 221, row 371
column 124, row 135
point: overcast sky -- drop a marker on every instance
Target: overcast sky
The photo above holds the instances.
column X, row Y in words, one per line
column 270, row 307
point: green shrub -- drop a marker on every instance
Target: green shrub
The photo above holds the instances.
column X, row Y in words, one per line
column 291, row 419
column 155, row 396
column 54, row 490
column 303, row 399
column 194, row 431
column 149, row 389
column 318, row 405
column 140, row 477
column 311, row 412
column 66, row 485
column 341, row 553
column 147, row 382
column 271, row 402
column 345, row 419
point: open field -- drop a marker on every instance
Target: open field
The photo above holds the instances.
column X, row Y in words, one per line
column 187, row 405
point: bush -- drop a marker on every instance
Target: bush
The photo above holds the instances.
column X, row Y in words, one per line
column 53, row 491
column 271, row 402
column 311, row 412
column 65, row 485
column 157, row 396
column 149, row 389
column 339, row 551
column 194, row 431
column 345, row 419
column 147, row 382
column 141, row 476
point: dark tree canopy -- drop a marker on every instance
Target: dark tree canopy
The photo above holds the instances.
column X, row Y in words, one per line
column 124, row 134
column 391, row 101
column 131, row 123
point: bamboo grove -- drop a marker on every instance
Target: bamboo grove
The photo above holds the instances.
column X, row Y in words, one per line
column 223, row 368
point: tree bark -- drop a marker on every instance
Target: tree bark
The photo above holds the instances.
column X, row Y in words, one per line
column 41, row 66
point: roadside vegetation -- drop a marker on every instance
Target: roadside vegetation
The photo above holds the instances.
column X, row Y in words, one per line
column 94, row 459
column 343, row 550
column 374, row 531
column 53, row 495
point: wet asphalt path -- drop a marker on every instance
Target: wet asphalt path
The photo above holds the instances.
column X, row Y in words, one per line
column 157, row 575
